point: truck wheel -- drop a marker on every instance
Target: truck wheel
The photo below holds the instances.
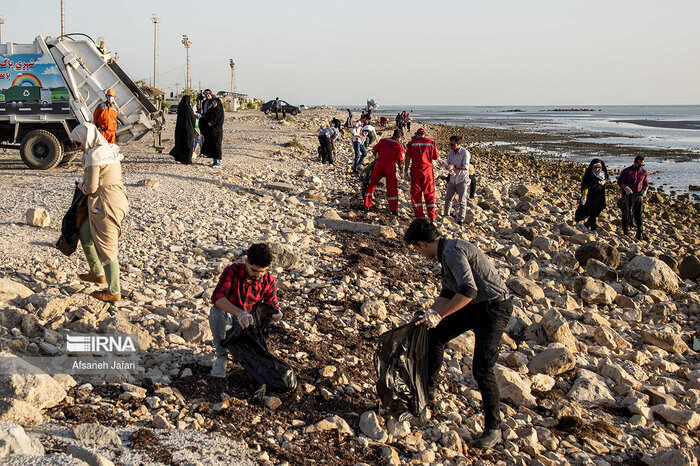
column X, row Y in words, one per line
column 68, row 156
column 41, row 150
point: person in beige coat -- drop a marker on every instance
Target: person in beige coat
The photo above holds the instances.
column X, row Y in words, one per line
column 107, row 205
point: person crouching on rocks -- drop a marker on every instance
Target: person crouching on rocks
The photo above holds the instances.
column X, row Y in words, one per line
column 107, row 205
column 592, row 200
column 240, row 287
column 473, row 297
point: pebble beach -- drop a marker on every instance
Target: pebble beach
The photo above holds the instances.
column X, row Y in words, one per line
column 599, row 365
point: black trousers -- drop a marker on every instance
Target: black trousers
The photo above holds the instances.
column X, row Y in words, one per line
column 632, row 209
column 472, row 186
column 488, row 320
column 326, row 148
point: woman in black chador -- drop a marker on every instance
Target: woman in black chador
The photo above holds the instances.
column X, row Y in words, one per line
column 212, row 127
column 184, row 132
column 592, row 200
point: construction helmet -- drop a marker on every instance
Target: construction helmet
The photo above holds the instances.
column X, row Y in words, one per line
column 110, row 92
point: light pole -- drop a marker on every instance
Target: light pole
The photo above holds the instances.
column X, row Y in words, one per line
column 63, row 18
column 186, row 42
column 2, row 21
column 232, row 65
column 155, row 20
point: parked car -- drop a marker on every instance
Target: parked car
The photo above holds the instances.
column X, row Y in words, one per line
column 172, row 109
column 269, row 107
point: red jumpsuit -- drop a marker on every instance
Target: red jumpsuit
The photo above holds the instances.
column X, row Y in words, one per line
column 389, row 153
column 422, row 152
column 105, row 118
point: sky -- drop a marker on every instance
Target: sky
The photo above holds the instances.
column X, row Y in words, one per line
column 444, row 52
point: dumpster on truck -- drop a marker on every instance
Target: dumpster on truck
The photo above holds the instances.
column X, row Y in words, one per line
column 50, row 86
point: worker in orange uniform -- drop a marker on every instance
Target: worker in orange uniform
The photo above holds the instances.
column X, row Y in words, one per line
column 420, row 154
column 105, row 117
column 389, row 155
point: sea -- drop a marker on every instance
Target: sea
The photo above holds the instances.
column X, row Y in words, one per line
column 652, row 127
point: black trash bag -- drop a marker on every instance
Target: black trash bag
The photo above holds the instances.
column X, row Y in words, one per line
column 68, row 241
column 401, row 362
column 249, row 348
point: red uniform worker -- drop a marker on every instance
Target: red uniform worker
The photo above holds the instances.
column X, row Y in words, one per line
column 389, row 154
column 105, row 117
column 420, row 154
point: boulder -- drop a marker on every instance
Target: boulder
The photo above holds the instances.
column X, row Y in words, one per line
column 653, row 272
column 10, row 289
column 604, row 252
column 356, row 227
column 283, row 257
column 23, row 381
column 528, row 189
column 38, row 218
column 374, row 308
column 49, row 306
column 590, row 387
column 594, row 291
column 671, row 458
column 19, row 412
column 119, row 324
column 542, row 382
column 681, row 417
column 553, row 361
column 557, row 330
column 606, row 336
column 513, row 388
column 195, row 331
column 689, row 268
column 524, row 287
column 334, row 422
column 369, row 425
column 596, row 269
column 96, row 434
column 284, row 187
column 546, row 244
column 91, row 458
column 667, row 341
column 15, row 441
column 149, row 183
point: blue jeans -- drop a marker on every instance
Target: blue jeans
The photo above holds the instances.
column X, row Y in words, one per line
column 360, row 154
column 219, row 323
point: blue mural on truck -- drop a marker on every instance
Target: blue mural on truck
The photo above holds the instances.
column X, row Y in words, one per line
column 30, row 83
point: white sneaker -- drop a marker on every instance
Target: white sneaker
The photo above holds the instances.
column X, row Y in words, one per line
column 218, row 369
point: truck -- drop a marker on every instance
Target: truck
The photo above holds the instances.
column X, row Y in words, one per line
column 52, row 85
column 28, row 94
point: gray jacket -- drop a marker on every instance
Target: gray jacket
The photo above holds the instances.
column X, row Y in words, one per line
column 468, row 271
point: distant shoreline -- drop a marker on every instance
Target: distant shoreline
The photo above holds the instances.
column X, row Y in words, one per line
column 687, row 124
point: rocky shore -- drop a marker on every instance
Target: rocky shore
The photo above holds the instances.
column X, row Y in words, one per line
column 600, row 364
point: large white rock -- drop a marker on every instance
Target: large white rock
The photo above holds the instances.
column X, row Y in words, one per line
column 38, row 218
column 513, row 388
column 681, row 417
column 558, row 331
column 15, row 441
column 369, row 425
column 524, row 287
column 667, row 341
column 594, row 291
column 553, row 361
column 23, row 381
column 19, row 412
column 653, row 272
column 590, row 387
column 10, row 289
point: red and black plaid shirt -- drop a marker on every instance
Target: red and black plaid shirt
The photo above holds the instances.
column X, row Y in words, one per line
column 243, row 293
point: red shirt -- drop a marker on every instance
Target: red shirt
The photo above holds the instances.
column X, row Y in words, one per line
column 389, row 151
column 422, row 152
column 637, row 180
column 243, row 293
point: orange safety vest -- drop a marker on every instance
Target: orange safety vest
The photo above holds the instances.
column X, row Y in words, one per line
column 105, row 118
